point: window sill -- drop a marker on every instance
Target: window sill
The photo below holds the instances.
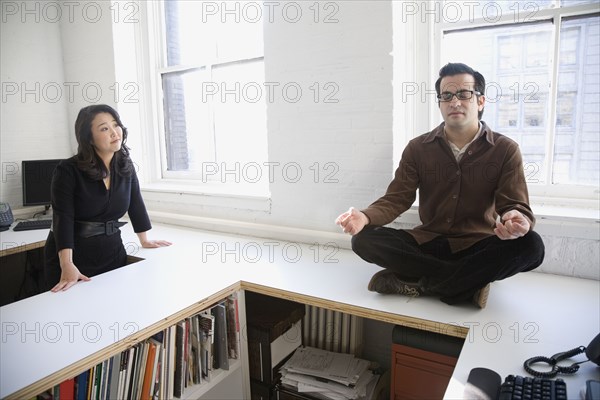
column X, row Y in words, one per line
column 564, row 213
column 553, row 209
column 247, row 197
column 551, row 220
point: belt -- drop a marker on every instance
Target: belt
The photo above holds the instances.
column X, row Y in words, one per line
column 88, row 229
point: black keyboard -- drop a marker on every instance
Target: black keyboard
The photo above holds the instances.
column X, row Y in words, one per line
column 484, row 383
column 526, row 388
column 33, row 224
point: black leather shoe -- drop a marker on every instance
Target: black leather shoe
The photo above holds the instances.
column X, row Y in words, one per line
column 388, row 282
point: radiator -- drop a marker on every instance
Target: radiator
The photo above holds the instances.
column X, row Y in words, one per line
column 333, row 330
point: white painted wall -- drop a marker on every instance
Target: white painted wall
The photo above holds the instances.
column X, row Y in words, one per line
column 351, row 140
column 355, row 135
column 33, row 113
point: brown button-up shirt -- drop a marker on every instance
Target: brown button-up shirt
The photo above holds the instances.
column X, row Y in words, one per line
column 459, row 200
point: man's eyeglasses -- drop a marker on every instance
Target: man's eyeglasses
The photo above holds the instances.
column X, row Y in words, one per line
column 460, row 95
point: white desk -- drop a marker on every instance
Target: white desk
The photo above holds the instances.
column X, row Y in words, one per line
column 15, row 242
column 527, row 315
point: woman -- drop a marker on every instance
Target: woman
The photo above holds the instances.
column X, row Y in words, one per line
column 90, row 192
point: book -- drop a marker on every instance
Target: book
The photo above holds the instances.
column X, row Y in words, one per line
column 233, row 326
column 97, row 382
column 134, row 372
column 91, row 383
column 123, row 373
column 113, row 390
column 66, row 389
column 155, row 373
column 141, row 369
column 221, row 353
column 179, row 359
column 158, row 380
column 171, row 362
column 149, row 371
column 186, row 353
column 105, row 378
column 195, row 351
column 128, row 373
column 82, row 385
column 160, row 386
column 207, row 323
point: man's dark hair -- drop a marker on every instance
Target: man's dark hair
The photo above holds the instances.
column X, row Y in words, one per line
column 452, row 69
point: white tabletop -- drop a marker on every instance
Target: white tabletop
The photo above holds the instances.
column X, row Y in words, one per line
column 527, row 315
column 11, row 241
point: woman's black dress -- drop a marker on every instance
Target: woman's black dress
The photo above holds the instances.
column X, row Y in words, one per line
column 76, row 197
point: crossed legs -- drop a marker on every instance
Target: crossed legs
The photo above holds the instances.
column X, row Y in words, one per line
column 454, row 277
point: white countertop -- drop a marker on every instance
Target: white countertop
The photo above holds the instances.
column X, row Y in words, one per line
column 527, row 315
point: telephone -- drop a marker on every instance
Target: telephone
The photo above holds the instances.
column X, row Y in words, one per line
column 486, row 384
column 592, row 352
column 6, row 217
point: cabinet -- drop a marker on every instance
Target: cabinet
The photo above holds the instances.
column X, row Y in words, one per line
column 274, row 332
column 422, row 363
column 419, row 374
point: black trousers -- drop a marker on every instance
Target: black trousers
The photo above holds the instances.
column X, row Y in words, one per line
column 454, row 277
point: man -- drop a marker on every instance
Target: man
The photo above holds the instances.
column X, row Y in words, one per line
column 473, row 205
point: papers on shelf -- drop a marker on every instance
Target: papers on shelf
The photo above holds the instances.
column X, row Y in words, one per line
column 328, row 374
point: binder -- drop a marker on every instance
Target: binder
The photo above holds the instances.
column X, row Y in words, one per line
column 221, row 356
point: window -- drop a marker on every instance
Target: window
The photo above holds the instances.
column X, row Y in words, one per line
column 522, row 48
column 209, row 89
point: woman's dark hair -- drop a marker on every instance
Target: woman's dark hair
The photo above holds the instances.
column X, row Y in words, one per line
column 452, row 69
column 87, row 159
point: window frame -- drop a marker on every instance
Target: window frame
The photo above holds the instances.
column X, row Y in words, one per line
column 547, row 194
column 152, row 67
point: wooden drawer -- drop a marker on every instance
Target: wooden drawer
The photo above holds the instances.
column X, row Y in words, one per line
column 419, row 374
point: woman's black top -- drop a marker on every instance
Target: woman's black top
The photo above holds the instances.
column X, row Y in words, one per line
column 76, row 197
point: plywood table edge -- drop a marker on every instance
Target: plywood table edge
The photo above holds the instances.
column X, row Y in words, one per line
column 397, row 319
column 22, row 248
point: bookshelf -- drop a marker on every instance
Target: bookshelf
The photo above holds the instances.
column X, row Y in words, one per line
column 86, row 362
column 183, row 361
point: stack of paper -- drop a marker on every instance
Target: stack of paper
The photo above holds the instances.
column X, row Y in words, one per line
column 329, row 375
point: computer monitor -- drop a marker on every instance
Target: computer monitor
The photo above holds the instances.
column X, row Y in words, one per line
column 37, row 178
